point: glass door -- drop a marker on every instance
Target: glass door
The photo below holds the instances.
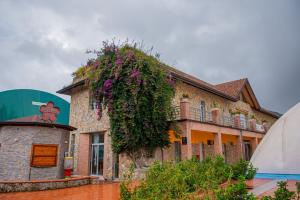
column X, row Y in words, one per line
column 97, row 154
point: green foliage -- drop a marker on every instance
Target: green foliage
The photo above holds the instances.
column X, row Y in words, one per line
column 183, row 180
column 125, row 185
column 243, row 168
column 137, row 91
column 235, row 192
column 282, row 193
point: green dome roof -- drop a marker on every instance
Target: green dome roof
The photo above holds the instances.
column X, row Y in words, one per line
column 26, row 102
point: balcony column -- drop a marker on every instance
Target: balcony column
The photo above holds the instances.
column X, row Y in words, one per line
column 216, row 115
column 185, row 108
column 218, row 143
column 186, row 148
column 240, row 146
column 254, row 143
column 237, row 121
column 252, row 124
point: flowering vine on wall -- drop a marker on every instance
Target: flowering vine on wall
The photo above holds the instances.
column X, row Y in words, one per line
column 137, row 92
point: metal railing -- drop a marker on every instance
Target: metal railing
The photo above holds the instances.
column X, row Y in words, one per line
column 227, row 120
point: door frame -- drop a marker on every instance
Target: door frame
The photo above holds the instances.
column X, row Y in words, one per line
column 92, row 145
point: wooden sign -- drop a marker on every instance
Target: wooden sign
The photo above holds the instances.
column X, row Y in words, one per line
column 44, row 155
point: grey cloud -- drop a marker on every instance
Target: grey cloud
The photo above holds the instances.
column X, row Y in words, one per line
column 214, row 40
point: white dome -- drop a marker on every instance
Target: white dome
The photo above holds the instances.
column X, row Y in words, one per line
column 279, row 151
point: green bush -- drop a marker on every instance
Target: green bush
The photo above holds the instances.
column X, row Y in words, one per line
column 243, row 168
column 235, row 192
column 282, row 193
column 191, row 179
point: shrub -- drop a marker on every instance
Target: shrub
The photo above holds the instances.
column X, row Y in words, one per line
column 181, row 180
column 243, row 168
column 191, row 179
column 282, row 193
column 235, row 192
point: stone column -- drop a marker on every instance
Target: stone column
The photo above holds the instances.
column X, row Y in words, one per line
column 83, row 154
column 186, row 149
column 237, row 121
column 240, row 146
column 216, row 115
column 218, row 144
column 254, row 143
column 184, row 108
column 252, row 124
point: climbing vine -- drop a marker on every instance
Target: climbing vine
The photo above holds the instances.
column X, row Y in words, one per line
column 137, row 91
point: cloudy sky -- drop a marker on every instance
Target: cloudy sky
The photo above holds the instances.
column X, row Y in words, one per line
column 43, row 42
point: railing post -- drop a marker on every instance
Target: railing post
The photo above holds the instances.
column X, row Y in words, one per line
column 237, row 121
column 216, row 115
column 184, row 108
column 252, row 124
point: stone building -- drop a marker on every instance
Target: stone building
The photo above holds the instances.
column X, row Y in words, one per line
column 222, row 119
column 33, row 147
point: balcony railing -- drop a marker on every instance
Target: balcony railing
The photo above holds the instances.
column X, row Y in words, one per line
column 223, row 119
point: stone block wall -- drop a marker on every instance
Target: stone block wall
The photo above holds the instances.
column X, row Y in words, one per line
column 16, row 148
column 85, row 119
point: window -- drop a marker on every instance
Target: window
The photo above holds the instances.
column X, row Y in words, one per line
column 210, row 142
column 93, row 102
column 44, row 155
column 202, row 111
column 243, row 121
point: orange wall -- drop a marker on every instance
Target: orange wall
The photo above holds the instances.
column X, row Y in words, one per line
column 173, row 137
column 229, row 138
column 201, row 136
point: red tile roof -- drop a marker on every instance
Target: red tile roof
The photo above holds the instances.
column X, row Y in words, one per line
column 232, row 88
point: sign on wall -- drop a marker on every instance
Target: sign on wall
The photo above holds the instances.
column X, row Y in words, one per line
column 44, row 155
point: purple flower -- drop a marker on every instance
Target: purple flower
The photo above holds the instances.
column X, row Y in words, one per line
column 119, row 61
column 129, row 55
column 135, row 73
column 108, row 84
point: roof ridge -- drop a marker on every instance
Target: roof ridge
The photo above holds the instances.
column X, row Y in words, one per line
column 227, row 82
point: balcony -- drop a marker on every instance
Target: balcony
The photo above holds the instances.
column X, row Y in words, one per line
column 215, row 117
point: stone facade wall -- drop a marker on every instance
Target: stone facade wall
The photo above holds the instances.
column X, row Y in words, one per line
column 84, row 118
column 15, row 152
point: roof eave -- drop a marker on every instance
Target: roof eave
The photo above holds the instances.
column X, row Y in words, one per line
column 13, row 123
column 67, row 90
column 193, row 83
